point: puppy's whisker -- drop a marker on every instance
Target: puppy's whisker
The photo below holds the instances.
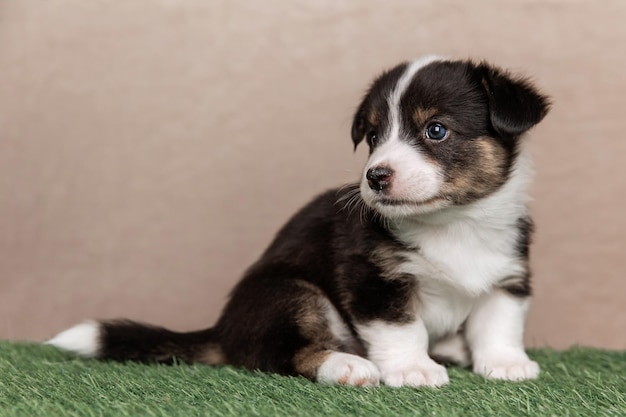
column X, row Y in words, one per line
column 354, row 202
column 349, row 194
column 347, row 186
column 349, row 203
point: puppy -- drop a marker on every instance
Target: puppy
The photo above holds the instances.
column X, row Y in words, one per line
column 426, row 258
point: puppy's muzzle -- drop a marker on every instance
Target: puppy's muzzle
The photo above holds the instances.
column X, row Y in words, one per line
column 379, row 178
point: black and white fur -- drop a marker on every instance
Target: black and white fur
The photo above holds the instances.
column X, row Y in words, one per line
column 425, row 261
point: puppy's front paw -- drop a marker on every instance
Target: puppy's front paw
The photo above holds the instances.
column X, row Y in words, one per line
column 512, row 370
column 429, row 374
column 346, row 369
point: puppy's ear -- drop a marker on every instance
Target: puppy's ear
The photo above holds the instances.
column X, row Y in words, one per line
column 515, row 105
column 358, row 125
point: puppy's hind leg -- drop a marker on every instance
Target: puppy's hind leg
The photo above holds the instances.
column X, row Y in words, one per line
column 288, row 326
column 332, row 355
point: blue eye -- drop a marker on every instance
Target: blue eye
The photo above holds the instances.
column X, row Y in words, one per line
column 436, row 131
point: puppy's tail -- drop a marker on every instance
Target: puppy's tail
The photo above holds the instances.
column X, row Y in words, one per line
column 125, row 340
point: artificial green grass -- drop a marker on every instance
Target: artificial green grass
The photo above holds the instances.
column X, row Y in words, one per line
column 42, row 381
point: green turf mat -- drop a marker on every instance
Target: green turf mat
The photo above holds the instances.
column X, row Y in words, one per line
column 41, row 381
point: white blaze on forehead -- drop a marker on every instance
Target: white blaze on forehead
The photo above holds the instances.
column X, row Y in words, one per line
column 393, row 101
column 415, row 178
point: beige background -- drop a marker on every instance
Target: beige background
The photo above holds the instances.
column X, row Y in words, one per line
column 150, row 149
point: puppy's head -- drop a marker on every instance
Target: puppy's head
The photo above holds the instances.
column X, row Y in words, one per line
column 441, row 133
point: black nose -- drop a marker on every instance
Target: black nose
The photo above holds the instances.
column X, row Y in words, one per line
column 379, row 178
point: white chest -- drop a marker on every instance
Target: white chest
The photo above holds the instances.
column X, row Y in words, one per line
column 454, row 265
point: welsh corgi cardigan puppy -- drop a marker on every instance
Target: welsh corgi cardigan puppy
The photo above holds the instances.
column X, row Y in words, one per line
column 423, row 262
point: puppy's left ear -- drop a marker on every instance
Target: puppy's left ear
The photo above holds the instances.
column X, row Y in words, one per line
column 515, row 105
column 358, row 125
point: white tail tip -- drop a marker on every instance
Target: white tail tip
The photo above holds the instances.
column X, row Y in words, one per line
column 82, row 339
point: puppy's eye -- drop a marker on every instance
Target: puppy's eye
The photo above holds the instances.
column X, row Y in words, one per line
column 436, row 131
column 372, row 138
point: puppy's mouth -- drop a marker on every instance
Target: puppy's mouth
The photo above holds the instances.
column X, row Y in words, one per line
column 404, row 202
column 401, row 207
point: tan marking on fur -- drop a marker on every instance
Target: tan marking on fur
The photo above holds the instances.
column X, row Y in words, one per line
column 480, row 178
column 493, row 156
column 373, row 117
column 422, row 115
column 213, row 356
column 309, row 359
column 310, row 317
column 458, row 183
column 388, row 258
column 312, row 323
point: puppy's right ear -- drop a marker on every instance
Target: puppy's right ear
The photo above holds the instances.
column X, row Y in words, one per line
column 515, row 105
column 358, row 125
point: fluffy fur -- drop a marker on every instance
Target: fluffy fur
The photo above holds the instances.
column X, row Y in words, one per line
column 425, row 258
